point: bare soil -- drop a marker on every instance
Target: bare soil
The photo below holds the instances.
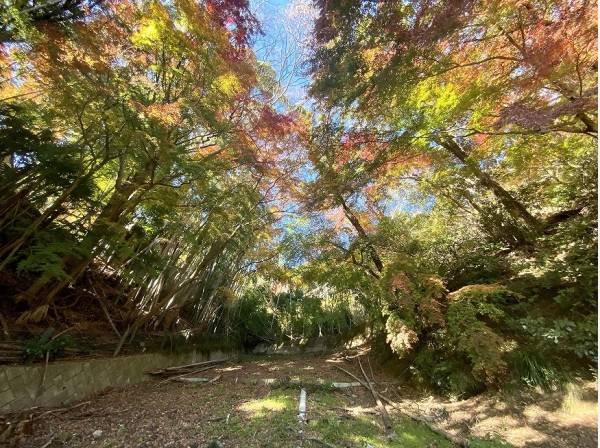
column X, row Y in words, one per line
column 243, row 408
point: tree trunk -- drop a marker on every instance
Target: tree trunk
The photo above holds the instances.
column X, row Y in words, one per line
column 513, row 207
column 111, row 214
column 364, row 237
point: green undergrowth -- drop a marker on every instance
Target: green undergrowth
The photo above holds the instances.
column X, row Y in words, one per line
column 268, row 421
column 271, row 421
column 360, row 429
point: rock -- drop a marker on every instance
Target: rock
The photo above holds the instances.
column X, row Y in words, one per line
column 97, row 434
column 215, row 444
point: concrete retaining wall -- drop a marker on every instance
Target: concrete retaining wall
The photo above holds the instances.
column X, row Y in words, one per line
column 318, row 345
column 69, row 381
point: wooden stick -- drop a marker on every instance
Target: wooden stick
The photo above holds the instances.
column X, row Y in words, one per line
column 387, row 421
column 112, row 324
column 362, row 383
column 455, row 439
column 373, row 392
column 62, row 332
column 122, row 341
column 173, row 378
column 216, row 378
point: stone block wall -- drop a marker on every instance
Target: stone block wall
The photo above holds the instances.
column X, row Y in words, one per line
column 23, row 387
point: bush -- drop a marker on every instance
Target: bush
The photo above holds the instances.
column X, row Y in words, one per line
column 471, row 312
column 45, row 345
column 261, row 315
column 456, row 336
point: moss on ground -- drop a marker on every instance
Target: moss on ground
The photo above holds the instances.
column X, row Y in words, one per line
column 271, row 421
column 264, row 422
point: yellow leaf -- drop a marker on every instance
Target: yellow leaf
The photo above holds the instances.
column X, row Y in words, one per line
column 228, row 84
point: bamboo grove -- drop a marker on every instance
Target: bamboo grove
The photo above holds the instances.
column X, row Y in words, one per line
column 139, row 146
column 438, row 194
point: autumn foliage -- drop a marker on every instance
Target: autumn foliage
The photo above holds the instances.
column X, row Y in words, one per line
column 435, row 193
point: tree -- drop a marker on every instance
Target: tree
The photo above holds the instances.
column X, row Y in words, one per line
column 459, row 75
column 154, row 105
column 19, row 16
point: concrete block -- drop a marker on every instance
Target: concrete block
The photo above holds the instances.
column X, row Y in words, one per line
column 67, row 382
column 6, row 397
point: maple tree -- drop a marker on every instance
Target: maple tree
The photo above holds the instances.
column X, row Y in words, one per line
column 437, row 191
column 454, row 75
column 470, row 109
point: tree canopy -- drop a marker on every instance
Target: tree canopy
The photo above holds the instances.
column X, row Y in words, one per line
column 438, row 192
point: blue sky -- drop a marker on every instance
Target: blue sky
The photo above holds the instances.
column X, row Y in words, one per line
column 285, row 24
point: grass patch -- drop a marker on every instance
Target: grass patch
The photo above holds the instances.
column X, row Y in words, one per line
column 264, row 422
column 271, row 421
column 536, row 372
column 363, row 430
column 358, row 429
column 274, row 402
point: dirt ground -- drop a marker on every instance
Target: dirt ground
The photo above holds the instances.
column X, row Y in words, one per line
column 254, row 403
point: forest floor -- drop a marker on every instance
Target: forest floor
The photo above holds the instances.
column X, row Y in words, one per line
column 241, row 409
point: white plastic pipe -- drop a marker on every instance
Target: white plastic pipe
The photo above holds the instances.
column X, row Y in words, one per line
column 302, row 406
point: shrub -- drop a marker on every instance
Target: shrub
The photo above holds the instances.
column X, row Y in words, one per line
column 399, row 336
column 459, row 346
column 45, row 345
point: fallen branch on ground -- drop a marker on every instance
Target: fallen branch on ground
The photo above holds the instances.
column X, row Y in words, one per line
column 387, row 421
column 19, row 428
column 448, row 435
column 186, row 368
column 453, row 438
column 193, row 372
column 61, row 410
